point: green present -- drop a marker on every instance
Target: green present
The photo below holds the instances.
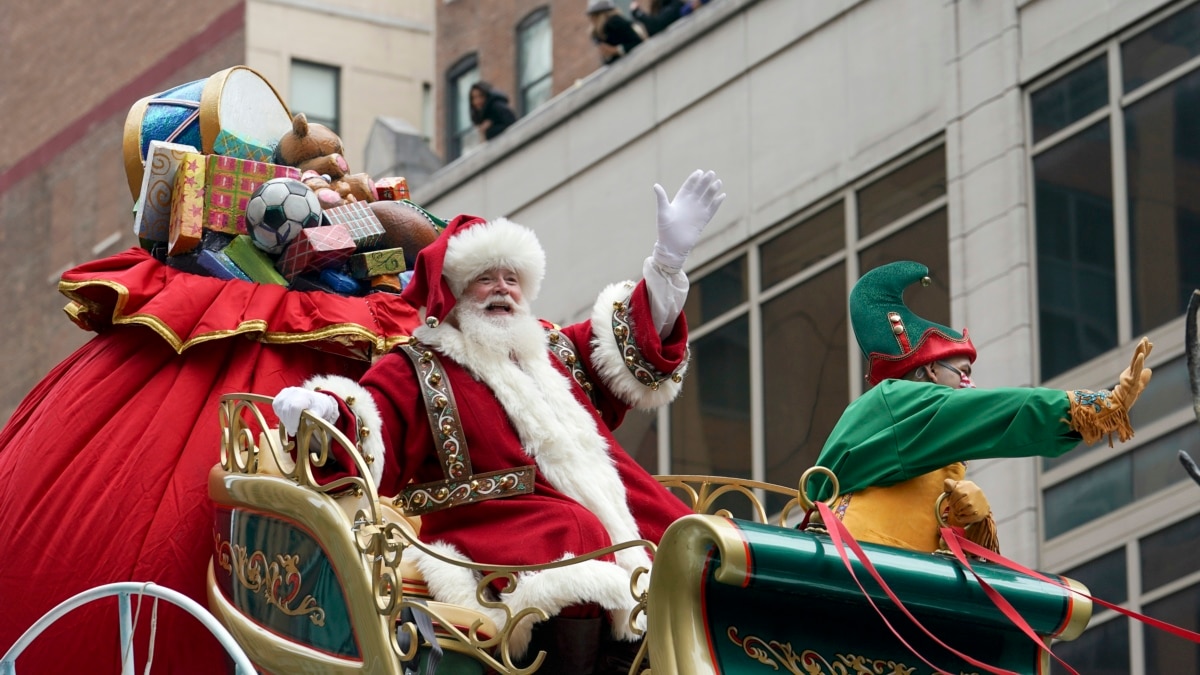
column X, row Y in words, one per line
column 232, row 145
column 253, row 261
column 377, row 263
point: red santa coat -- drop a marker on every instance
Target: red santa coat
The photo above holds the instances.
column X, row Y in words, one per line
column 589, row 493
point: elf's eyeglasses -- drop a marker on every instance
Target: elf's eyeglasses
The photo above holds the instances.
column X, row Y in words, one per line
column 964, row 380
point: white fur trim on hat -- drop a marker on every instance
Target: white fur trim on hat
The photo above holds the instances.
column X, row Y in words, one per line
column 500, row 243
column 368, row 415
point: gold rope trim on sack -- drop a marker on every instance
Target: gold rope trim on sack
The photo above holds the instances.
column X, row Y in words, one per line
column 638, row 366
column 69, row 288
column 1096, row 414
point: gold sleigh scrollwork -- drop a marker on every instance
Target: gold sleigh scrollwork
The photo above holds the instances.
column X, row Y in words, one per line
column 808, row 662
column 254, row 573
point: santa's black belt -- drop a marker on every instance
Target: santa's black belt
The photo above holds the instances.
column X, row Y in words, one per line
column 460, row 485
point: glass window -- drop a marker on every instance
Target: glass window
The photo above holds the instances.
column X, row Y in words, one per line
column 804, row 375
column 1162, row 134
column 716, row 292
column 1156, row 464
column 638, row 435
column 902, row 191
column 314, row 89
column 1069, row 98
column 926, row 242
column 535, row 60
column 1170, row 553
column 1075, row 250
column 1166, row 653
column 803, row 244
column 1091, row 494
column 1160, row 48
column 1101, row 650
column 710, row 421
column 461, row 134
column 1104, row 576
column 1103, row 489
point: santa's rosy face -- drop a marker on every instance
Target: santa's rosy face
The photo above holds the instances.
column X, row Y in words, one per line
column 497, row 292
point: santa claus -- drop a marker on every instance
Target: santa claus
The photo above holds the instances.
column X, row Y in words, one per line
column 496, row 428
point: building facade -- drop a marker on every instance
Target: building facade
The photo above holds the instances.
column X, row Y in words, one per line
column 71, row 72
column 530, row 50
column 1035, row 154
column 345, row 63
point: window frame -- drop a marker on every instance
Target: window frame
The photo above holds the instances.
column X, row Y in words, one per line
column 531, row 19
column 461, row 67
column 336, row 71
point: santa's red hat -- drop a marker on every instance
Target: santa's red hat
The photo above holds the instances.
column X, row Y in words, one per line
column 468, row 247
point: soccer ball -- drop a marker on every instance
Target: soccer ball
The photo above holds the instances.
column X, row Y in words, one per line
column 278, row 210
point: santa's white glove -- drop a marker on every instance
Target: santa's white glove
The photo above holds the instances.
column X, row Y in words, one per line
column 681, row 220
column 291, row 401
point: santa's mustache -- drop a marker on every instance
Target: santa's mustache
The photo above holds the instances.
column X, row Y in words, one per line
column 501, row 302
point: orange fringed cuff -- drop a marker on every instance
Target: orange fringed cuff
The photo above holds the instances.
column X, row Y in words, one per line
column 1096, row 414
column 984, row 533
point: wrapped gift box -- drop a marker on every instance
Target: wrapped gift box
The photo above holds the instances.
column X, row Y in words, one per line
column 391, row 188
column 316, row 248
column 376, row 263
column 219, row 265
column 362, row 223
column 233, row 145
column 252, row 261
column 152, row 217
column 187, row 205
column 230, row 182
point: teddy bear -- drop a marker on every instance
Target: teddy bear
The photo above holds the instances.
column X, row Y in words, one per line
column 316, row 151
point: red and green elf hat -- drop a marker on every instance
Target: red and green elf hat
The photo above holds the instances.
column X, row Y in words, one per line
column 890, row 335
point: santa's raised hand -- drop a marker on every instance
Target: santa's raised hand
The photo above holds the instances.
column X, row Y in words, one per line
column 681, row 220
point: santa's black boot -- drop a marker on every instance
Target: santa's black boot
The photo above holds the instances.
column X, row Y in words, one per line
column 571, row 646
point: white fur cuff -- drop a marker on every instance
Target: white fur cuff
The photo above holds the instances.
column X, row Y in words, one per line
column 369, row 423
column 608, row 357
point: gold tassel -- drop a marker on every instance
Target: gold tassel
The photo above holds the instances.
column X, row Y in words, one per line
column 1097, row 414
column 984, row 533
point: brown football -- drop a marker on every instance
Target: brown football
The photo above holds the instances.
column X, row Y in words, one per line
column 404, row 227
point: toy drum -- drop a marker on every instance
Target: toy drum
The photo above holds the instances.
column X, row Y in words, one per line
column 236, row 107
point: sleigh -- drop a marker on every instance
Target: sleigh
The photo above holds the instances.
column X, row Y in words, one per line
column 313, row 577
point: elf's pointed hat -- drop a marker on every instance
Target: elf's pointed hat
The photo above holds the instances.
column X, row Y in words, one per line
column 890, row 335
column 468, row 247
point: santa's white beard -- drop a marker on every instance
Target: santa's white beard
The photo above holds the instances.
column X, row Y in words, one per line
column 500, row 336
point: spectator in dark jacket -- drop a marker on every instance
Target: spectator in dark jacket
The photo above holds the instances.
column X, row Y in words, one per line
column 658, row 14
column 613, row 34
column 489, row 110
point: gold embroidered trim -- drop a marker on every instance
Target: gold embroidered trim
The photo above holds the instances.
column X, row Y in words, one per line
column 377, row 342
column 568, row 354
column 637, row 364
column 425, row 498
column 460, row 485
